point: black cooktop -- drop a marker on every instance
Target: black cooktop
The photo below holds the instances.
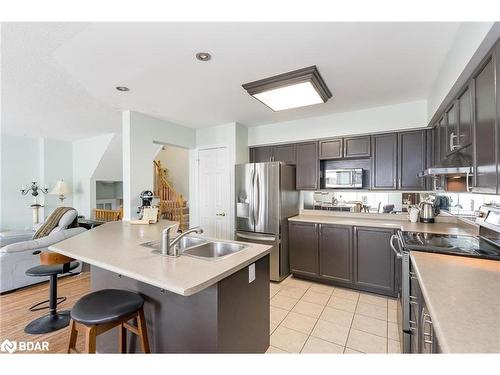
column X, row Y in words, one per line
column 451, row 244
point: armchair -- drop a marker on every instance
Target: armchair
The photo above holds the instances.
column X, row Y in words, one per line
column 17, row 257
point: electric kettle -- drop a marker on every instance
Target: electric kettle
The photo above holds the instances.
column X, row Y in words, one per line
column 426, row 212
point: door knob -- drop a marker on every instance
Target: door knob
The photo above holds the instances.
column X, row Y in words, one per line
column 221, row 214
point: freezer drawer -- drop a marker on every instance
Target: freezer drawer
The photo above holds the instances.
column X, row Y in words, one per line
column 275, row 267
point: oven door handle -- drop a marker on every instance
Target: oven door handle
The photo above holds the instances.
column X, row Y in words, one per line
column 391, row 241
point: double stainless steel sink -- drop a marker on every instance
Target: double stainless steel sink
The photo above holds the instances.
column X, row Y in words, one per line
column 198, row 247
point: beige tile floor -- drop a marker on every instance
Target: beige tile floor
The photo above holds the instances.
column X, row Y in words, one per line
column 308, row 317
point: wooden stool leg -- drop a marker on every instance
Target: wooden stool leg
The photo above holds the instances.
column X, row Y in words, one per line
column 73, row 334
column 143, row 331
column 122, row 339
column 90, row 340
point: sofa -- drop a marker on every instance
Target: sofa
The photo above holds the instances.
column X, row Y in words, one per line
column 16, row 258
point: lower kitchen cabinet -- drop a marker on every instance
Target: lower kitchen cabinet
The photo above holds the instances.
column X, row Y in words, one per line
column 375, row 260
column 303, row 246
column 335, row 252
column 349, row 256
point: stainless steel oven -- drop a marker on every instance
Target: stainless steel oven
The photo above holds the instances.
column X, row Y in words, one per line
column 347, row 178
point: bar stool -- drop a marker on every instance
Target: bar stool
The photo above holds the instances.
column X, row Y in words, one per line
column 52, row 265
column 100, row 311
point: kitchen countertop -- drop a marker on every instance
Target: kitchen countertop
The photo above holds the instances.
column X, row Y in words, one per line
column 378, row 221
column 115, row 246
column 463, row 299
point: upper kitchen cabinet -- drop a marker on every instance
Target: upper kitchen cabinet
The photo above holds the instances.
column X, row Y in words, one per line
column 307, row 166
column 452, row 140
column 436, row 157
column 443, row 137
column 465, row 118
column 357, row 147
column 384, row 161
column 411, row 159
column 261, row 154
column 284, row 153
column 331, row 149
column 485, row 168
column 350, row 147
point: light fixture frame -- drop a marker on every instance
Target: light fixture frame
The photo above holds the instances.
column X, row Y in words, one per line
column 309, row 74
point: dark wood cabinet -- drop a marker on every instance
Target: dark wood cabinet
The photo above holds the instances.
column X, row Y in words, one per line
column 384, row 161
column 335, row 252
column 307, row 166
column 356, row 257
column 436, row 157
column 261, row 154
column 374, row 260
column 485, row 168
column 443, row 138
column 285, row 153
column 357, row 147
column 465, row 118
column 331, row 149
column 303, row 245
column 452, row 138
column 411, row 159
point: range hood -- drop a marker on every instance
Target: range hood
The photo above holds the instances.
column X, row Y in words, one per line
column 457, row 163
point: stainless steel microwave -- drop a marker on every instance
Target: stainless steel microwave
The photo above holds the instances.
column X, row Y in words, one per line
column 348, row 178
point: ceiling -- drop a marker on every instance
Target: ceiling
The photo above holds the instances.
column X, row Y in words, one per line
column 58, row 79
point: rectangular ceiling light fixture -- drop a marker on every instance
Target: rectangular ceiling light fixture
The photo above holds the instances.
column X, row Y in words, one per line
column 295, row 89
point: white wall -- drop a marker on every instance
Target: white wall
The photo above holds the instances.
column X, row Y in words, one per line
column 56, row 163
column 87, row 154
column 386, row 118
column 24, row 159
column 20, row 165
column 176, row 160
column 138, row 132
column 110, row 167
column 468, row 39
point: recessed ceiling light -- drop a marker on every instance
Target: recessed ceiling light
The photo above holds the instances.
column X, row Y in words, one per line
column 122, row 88
column 203, row 56
column 295, row 89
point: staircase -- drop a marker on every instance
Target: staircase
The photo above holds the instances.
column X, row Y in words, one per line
column 172, row 205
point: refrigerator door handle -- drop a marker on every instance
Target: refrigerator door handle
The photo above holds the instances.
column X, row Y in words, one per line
column 256, row 237
column 252, row 205
column 257, row 202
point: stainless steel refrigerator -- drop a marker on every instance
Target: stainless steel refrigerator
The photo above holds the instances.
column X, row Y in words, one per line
column 265, row 199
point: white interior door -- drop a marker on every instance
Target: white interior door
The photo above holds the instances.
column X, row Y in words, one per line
column 214, row 192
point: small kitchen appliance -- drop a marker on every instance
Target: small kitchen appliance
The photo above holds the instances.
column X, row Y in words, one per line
column 348, row 178
column 427, row 212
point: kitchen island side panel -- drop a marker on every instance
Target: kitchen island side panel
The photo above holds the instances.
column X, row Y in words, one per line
column 231, row 316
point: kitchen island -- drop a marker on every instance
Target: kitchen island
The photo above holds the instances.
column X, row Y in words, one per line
column 192, row 305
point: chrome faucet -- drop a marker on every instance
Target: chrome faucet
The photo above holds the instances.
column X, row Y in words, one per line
column 167, row 246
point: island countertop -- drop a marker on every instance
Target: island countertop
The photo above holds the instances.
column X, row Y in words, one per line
column 462, row 296
column 115, row 246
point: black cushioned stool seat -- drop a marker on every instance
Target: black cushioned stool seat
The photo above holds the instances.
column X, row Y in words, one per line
column 106, row 306
column 57, row 269
column 100, row 311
